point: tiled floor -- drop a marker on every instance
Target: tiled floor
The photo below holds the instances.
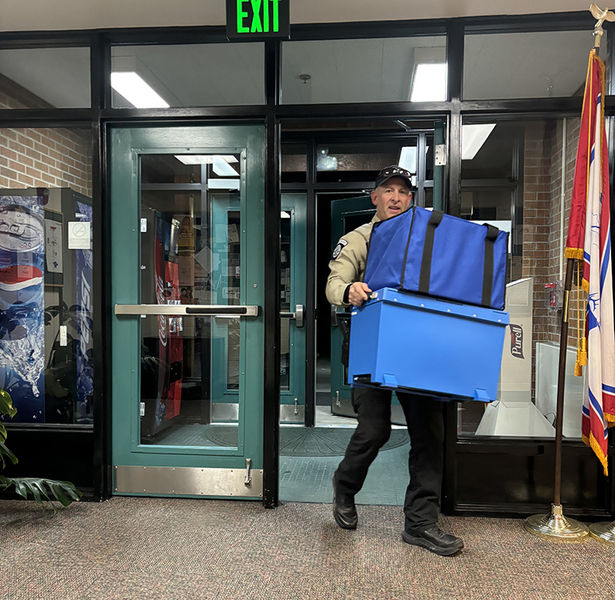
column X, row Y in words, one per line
column 308, row 478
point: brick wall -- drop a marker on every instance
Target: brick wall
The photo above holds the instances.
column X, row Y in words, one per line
column 44, row 157
column 536, row 207
column 557, row 242
column 543, row 242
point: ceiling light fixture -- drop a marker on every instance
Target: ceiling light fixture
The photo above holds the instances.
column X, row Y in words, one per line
column 205, row 159
column 429, row 82
column 222, row 168
column 133, row 88
column 473, row 137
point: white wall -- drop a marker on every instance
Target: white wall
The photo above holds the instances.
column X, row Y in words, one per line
column 35, row 15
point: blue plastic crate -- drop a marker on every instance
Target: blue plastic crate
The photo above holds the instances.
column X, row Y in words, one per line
column 435, row 347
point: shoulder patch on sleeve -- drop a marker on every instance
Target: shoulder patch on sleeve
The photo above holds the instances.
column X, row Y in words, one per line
column 340, row 246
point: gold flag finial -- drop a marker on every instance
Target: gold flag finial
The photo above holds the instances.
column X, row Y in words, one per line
column 601, row 16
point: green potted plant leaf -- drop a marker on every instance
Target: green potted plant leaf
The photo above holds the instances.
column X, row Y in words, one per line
column 40, row 489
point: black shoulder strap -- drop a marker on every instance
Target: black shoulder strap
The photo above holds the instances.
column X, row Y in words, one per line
column 434, row 220
column 492, row 234
column 412, row 209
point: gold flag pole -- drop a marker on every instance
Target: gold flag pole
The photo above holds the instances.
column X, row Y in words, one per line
column 605, row 532
column 555, row 525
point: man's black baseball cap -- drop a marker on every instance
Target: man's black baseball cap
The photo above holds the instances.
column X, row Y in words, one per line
column 394, row 171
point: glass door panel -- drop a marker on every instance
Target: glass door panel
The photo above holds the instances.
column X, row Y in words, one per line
column 286, row 261
column 176, row 405
column 185, row 261
column 292, row 303
column 226, row 273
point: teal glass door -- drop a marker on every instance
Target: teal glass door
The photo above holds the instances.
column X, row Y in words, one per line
column 187, row 231
column 225, row 212
column 346, row 214
column 225, row 217
column 292, row 306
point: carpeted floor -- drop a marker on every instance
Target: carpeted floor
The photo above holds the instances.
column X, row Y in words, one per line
column 167, row 549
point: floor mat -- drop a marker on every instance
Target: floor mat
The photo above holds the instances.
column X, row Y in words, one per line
column 294, row 441
column 308, row 479
column 308, row 458
column 326, row 441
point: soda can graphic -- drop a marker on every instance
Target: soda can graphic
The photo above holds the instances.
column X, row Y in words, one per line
column 22, row 345
column 20, row 229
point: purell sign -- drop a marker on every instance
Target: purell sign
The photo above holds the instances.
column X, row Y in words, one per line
column 516, row 340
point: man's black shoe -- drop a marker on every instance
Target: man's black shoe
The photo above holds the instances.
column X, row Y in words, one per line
column 344, row 513
column 434, row 539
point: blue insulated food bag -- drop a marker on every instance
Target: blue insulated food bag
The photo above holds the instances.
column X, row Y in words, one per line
column 432, row 253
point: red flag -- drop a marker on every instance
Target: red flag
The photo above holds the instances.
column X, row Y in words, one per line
column 594, row 87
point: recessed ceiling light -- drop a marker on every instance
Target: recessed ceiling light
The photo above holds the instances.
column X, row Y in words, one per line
column 205, row 159
column 429, row 82
column 222, row 168
column 473, row 137
column 133, row 88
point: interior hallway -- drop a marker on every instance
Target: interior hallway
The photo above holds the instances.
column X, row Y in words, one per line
column 159, row 548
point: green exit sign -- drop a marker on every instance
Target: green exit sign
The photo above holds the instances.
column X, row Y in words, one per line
column 255, row 19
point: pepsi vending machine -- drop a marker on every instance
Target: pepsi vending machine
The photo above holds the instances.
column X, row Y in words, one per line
column 46, row 305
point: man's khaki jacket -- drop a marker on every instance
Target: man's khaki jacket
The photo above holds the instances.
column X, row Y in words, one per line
column 347, row 264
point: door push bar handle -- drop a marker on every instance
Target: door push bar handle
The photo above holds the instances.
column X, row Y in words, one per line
column 334, row 322
column 338, row 316
column 239, row 311
column 298, row 315
column 176, row 310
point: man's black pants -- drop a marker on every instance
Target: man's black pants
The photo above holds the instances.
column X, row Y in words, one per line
column 425, row 419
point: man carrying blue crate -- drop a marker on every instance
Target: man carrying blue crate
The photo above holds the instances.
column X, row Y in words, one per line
column 424, row 416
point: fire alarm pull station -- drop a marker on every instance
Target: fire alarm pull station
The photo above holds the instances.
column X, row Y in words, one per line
column 554, row 297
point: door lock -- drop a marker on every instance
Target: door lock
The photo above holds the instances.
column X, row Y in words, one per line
column 298, row 315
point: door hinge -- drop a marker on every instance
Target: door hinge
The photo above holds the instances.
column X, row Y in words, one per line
column 142, row 409
column 296, row 406
column 440, row 156
column 248, row 479
column 337, row 398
